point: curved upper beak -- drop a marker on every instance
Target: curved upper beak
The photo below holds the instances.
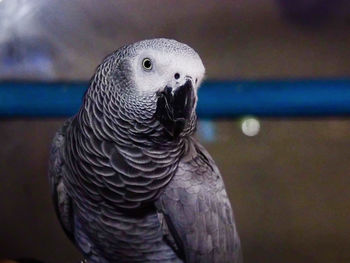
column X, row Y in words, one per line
column 175, row 107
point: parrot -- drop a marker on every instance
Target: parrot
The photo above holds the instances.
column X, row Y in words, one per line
column 129, row 180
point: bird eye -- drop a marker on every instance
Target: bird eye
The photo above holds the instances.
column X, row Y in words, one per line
column 147, row 64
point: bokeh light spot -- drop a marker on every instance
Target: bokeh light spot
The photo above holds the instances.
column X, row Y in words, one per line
column 250, row 126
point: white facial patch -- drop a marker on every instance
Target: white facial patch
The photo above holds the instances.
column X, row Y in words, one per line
column 167, row 69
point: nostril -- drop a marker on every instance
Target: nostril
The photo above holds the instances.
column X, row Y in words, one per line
column 177, row 76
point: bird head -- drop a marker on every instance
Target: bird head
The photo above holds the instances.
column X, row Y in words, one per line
column 156, row 79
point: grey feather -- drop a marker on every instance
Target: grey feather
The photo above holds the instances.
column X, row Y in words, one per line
column 61, row 199
column 126, row 187
column 195, row 203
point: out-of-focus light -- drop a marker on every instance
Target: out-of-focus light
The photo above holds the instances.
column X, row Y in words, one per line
column 207, row 131
column 250, row 126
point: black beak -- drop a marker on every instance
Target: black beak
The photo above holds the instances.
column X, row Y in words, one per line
column 174, row 109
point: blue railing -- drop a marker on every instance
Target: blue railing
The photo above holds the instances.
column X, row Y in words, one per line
column 217, row 99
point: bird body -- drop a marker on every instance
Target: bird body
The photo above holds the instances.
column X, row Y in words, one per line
column 129, row 181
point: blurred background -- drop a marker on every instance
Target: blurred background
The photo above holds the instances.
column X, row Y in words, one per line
column 288, row 179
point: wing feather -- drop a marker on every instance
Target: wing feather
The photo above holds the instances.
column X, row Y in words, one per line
column 197, row 208
column 62, row 202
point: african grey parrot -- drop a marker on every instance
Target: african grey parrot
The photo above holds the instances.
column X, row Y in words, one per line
column 129, row 181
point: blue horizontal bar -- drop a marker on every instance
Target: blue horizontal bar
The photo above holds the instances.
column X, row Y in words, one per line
column 217, row 99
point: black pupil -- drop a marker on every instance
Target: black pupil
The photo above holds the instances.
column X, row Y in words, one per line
column 177, row 75
column 147, row 63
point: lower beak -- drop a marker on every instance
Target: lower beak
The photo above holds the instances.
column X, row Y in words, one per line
column 175, row 108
